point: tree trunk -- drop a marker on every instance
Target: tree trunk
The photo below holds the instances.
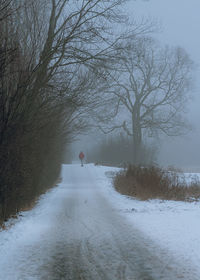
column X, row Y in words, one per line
column 137, row 141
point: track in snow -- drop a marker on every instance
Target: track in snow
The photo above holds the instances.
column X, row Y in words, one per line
column 81, row 236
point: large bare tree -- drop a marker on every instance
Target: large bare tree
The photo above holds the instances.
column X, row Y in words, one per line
column 59, row 41
column 47, row 51
column 151, row 88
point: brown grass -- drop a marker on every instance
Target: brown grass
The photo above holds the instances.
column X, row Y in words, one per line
column 155, row 183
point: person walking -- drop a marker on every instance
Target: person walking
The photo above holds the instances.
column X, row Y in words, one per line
column 81, row 156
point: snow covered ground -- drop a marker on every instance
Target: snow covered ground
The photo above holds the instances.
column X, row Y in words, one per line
column 107, row 231
column 173, row 225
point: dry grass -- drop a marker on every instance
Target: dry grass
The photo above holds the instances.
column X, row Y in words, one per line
column 153, row 182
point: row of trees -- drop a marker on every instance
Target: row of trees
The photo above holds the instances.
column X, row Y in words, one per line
column 48, row 52
column 117, row 150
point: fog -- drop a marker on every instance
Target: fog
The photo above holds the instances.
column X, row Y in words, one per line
column 89, row 89
column 178, row 24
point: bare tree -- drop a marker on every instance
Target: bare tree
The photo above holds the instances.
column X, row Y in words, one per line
column 59, row 41
column 47, row 52
column 62, row 40
column 151, row 89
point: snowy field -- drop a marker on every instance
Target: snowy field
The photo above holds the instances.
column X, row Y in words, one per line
column 171, row 227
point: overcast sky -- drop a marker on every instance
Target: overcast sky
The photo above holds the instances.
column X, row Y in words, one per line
column 180, row 21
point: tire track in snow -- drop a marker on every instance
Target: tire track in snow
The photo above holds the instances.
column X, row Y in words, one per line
column 83, row 238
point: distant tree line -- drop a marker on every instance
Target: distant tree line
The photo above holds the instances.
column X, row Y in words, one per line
column 117, row 150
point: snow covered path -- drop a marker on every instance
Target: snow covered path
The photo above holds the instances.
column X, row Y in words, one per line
column 76, row 233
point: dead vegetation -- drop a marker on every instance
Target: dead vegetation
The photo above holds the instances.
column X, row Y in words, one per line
column 156, row 183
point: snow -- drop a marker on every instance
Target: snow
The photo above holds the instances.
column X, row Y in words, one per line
column 24, row 247
column 172, row 225
column 187, row 178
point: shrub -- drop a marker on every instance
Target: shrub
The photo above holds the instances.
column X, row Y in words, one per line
column 154, row 182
